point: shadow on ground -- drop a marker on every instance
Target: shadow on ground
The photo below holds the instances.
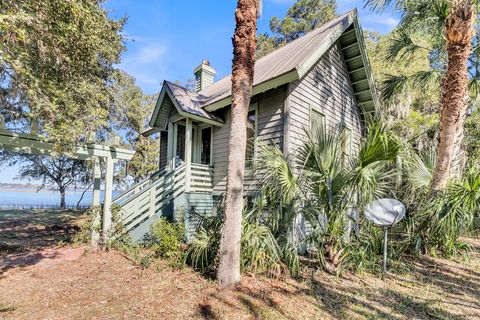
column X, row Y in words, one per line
column 25, row 234
column 436, row 289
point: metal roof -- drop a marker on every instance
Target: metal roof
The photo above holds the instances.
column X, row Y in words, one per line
column 294, row 60
column 288, row 63
column 187, row 103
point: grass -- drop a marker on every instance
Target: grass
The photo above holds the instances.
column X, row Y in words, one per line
column 107, row 285
column 26, row 230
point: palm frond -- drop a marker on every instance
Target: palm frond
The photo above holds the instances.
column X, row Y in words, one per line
column 394, row 85
column 402, row 46
column 275, row 171
column 427, row 78
column 419, row 169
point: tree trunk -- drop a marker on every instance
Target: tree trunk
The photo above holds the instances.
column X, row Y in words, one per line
column 62, row 198
column 244, row 45
column 459, row 32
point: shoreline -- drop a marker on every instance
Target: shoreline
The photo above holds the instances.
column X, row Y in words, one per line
column 38, row 191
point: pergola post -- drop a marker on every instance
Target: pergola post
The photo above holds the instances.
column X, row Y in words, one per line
column 188, row 152
column 107, row 203
column 96, row 200
column 97, row 177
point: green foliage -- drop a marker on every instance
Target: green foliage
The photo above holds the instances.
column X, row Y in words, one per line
column 302, row 17
column 439, row 222
column 90, row 225
column 118, row 237
column 56, row 61
column 260, row 252
column 145, row 159
column 165, row 238
column 325, row 187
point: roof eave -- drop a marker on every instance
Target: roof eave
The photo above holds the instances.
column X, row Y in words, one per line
column 259, row 88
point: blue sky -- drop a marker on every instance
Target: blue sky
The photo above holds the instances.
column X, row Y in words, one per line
column 168, row 39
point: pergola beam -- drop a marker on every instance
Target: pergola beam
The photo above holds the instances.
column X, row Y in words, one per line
column 27, row 143
column 37, row 145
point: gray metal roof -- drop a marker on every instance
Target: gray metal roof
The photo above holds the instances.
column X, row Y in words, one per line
column 190, row 101
column 291, row 57
column 289, row 63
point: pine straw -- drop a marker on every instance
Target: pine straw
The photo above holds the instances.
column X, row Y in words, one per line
column 105, row 285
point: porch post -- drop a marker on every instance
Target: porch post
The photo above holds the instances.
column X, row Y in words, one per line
column 174, row 146
column 96, row 200
column 170, row 147
column 107, row 213
column 188, row 152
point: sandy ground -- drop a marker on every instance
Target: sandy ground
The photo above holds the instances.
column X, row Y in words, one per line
column 76, row 283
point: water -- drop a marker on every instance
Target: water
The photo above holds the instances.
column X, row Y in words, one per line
column 29, row 198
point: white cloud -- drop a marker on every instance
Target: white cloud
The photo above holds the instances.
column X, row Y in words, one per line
column 146, row 54
column 388, row 21
column 145, row 60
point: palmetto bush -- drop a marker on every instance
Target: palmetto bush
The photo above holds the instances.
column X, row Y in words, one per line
column 260, row 252
column 324, row 187
column 440, row 220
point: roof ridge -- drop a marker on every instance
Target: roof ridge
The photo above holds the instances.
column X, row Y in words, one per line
column 316, row 30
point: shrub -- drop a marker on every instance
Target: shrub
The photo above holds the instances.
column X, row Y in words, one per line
column 165, row 238
column 84, row 235
column 440, row 221
column 118, row 235
column 260, row 252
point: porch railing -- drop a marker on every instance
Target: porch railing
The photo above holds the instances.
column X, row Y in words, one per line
column 201, row 178
column 150, row 196
column 144, row 204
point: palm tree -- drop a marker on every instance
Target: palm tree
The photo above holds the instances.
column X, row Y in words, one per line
column 448, row 25
column 244, row 45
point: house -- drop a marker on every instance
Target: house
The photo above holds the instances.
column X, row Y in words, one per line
column 323, row 76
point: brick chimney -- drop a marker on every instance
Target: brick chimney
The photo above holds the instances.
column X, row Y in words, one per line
column 204, row 75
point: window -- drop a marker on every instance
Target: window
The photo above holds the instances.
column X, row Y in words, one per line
column 251, row 135
column 316, row 120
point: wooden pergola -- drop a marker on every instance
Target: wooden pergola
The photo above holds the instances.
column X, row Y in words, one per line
column 107, row 154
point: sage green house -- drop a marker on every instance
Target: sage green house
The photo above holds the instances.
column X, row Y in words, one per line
column 322, row 77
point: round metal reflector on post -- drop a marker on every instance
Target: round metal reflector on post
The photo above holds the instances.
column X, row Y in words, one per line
column 385, row 213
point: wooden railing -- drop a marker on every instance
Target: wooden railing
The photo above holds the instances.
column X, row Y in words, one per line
column 152, row 198
column 151, row 195
column 201, row 178
column 136, row 188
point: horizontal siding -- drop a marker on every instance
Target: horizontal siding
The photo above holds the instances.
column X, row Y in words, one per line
column 326, row 88
column 270, row 130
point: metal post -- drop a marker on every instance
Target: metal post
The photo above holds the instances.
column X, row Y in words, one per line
column 385, row 241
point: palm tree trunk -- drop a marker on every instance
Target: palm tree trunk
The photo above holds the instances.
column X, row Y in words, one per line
column 244, row 45
column 459, row 32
